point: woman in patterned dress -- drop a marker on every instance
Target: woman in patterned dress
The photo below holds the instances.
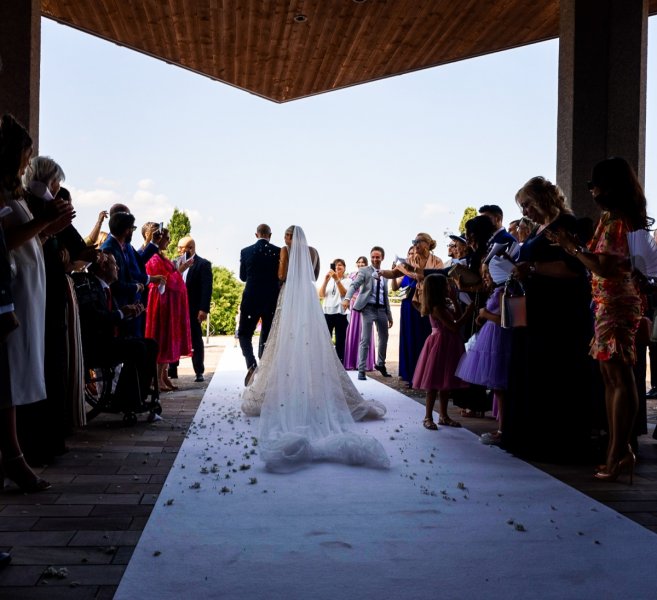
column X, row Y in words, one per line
column 616, row 297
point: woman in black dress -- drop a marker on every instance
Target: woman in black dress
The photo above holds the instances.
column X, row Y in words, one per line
column 546, row 415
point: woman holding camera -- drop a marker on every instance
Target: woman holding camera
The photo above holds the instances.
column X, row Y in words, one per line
column 332, row 292
column 167, row 313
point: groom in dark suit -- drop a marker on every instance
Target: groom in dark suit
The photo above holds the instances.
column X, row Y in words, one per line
column 259, row 269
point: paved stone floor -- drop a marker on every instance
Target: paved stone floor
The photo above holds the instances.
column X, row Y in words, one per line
column 75, row 540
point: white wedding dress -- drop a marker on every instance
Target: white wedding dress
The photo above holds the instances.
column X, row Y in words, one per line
column 306, row 401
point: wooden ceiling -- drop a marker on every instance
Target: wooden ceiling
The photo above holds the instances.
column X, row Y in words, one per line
column 288, row 49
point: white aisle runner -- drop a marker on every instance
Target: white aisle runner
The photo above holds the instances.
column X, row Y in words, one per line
column 451, row 519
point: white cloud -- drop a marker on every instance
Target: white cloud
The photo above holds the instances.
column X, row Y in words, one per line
column 145, row 184
column 99, row 198
column 105, row 182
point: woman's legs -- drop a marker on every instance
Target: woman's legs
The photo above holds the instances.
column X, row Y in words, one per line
column 622, row 405
column 13, row 463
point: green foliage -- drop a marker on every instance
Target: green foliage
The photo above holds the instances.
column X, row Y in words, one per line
column 226, row 298
column 179, row 226
column 469, row 213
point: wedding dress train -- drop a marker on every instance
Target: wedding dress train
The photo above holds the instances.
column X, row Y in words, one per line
column 306, row 400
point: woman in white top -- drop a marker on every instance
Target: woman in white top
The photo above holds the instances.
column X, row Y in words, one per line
column 332, row 293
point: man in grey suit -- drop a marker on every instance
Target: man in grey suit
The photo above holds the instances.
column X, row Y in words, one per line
column 373, row 304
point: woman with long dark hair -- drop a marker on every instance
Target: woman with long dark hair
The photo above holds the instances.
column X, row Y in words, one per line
column 616, row 299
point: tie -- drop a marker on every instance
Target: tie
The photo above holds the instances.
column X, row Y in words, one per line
column 378, row 291
column 108, row 297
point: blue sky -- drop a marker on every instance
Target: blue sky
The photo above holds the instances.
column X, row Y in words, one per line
column 372, row 164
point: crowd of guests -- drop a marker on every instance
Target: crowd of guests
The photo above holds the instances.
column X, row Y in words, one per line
column 584, row 304
column 70, row 306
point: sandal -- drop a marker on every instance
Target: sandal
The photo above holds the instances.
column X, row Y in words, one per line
column 429, row 424
column 24, row 478
column 449, row 422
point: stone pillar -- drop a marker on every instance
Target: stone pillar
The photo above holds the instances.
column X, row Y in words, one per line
column 20, row 61
column 602, row 91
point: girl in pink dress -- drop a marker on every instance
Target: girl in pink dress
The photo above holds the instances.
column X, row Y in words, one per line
column 436, row 367
column 167, row 314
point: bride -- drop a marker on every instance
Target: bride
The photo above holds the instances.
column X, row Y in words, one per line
column 306, row 400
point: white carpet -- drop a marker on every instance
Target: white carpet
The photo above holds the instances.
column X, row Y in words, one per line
column 451, row 519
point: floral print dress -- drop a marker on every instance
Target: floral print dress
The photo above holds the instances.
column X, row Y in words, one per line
column 616, row 301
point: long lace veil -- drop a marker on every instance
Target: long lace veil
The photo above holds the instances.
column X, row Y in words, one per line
column 304, row 414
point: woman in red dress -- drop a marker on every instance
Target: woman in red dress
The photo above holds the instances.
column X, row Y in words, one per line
column 167, row 314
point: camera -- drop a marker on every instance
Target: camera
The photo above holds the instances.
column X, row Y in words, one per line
column 332, row 266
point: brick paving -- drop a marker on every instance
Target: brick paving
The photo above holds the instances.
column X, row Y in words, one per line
column 104, row 489
column 103, row 492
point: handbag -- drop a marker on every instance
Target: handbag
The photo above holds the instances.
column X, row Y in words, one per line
column 514, row 305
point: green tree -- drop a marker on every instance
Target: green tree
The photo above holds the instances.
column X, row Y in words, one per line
column 178, row 226
column 226, row 298
column 469, row 213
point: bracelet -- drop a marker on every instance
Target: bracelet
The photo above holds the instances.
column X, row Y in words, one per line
column 578, row 250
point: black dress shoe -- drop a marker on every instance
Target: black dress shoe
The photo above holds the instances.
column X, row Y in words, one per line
column 199, row 379
column 383, row 371
column 652, row 394
column 5, row 559
column 249, row 375
column 361, row 375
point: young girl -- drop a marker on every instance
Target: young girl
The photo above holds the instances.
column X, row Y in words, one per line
column 487, row 364
column 442, row 350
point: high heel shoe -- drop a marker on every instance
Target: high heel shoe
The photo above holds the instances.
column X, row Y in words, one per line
column 626, row 463
column 22, row 475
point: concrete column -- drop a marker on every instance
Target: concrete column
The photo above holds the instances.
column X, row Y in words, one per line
column 602, row 91
column 20, row 62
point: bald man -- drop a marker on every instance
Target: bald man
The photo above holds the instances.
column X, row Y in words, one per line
column 197, row 273
column 259, row 270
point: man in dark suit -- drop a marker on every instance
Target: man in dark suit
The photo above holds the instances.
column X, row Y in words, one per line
column 197, row 273
column 506, row 242
column 126, row 289
column 259, row 269
column 136, row 262
column 100, row 320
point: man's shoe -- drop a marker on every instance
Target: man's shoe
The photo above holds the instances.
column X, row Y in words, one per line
column 199, row 379
column 652, row 394
column 383, row 371
column 5, row 559
column 361, row 375
column 249, row 375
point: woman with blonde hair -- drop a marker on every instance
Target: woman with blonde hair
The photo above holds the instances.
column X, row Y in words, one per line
column 414, row 267
column 547, row 407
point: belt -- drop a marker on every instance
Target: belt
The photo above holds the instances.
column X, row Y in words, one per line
column 375, row 305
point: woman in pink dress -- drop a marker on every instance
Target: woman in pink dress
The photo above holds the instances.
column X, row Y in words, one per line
column 167, row 313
